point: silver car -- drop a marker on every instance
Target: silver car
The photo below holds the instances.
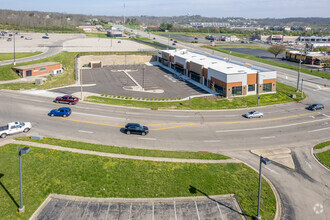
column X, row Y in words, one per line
column 254, row 114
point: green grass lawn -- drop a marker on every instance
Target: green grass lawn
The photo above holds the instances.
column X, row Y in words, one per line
column 324, row 157
column 99, row 35
column 282, row 96
column 152, row 43
column 283, row 65
column 322, row 145
column 10, row 56
column 67, row 60
column 18, row 86
column 49, row 171
column 126, row 150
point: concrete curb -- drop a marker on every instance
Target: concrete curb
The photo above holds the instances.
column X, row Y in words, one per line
column 318, row 160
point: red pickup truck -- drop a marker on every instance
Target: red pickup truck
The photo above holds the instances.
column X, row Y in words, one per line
column 68, row 99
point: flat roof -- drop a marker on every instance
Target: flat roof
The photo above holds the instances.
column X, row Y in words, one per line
column 33, row 66
column 224, row 66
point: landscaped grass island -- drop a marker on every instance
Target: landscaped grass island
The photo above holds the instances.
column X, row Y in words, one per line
column 283, row 95
column 324, row 157
column 48, row 171
column 126, row 150
column 10, row 56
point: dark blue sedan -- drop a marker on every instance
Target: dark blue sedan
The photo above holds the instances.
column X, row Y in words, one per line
column 64, row 112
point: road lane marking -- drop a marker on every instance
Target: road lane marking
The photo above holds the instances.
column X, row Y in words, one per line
column 267, row 137
column 89, row 122
column 104, row 116
column 278, row 126
column 272, row 171
column 321, row 129
column 211, row 141
column 260, row 120
column 150, row 139
column 308, row 164
column 326, row 115
column 178, row 126
column 89, row 132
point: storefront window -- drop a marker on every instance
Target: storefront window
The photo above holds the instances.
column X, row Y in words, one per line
column 218, row 89
column 237, row 90
column 252, row 88
column 195, row 77
column 267, row 87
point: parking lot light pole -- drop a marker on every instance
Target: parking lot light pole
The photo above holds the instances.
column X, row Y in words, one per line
column 266, row 161
column 302, row 82
column 21, row 151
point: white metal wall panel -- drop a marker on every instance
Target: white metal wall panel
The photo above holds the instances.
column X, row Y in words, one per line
column 216, row 74
column 269, row 75
column 239, row 77
column 181, row 60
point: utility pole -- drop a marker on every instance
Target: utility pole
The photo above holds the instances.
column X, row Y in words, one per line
column 297, row 90
column 302, row 82
column 81, row 89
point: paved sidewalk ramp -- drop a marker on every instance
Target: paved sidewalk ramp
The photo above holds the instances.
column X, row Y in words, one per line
column 215, row 207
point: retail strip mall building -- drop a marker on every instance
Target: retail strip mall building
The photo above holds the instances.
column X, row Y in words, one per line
column 222, row 75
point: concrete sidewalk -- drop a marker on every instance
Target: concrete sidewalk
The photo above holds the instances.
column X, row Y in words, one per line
column 123, row 156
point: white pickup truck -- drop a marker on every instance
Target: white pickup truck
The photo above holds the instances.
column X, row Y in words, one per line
column 14, row 128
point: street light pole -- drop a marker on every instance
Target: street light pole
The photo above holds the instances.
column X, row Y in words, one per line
column 258, row 88
column 143, row 78
column 81, row 88
column 14, row 50
column 299, row 71
column 21, row 151
column 265, row 161
column 302, row 82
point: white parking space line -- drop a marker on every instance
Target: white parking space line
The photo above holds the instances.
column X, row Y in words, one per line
column 267, row 137
column 220, row 211
column 326, row 115
column 321, row 129
column 272, row 171
column 82, row 131
column 197, row 211
column 150, row 139
column 211, row 141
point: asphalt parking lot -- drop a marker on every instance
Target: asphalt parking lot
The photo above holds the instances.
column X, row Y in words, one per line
column 217, row 207
column 112, row 80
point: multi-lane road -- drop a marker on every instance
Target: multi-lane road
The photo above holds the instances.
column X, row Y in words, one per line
column 303, row 191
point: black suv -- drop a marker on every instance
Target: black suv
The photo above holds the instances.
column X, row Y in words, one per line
column 315, row 107
column 134, row 128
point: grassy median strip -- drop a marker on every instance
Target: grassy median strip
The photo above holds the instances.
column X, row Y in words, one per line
column 324, row 157
column 283, row 65
column 49, row 171
column 283, row 95
column 126, row 150
column 10, row 56
column 322, row 145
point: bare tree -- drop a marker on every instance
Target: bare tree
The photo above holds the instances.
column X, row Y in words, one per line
column 276, row 49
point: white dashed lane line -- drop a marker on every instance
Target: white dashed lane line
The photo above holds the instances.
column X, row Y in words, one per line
column 149, row 139
column 267, row 137
column 321, row 129
column 82, row 131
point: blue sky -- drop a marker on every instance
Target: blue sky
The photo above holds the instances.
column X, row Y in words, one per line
column 208, row 8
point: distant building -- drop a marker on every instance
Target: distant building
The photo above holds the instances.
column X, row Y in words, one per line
column 114, row 33
column 277, row 38
column 227, row 78
column 314, row 39
column 38, row 69
column 312, row 58
column 88, row 28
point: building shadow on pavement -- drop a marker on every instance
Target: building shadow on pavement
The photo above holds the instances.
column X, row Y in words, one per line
column 8, row 193
column 194, row 190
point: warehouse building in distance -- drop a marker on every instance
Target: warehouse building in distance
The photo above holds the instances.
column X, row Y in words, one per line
column 38, row 69
column 227, row 78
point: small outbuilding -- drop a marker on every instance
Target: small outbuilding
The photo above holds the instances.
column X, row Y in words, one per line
column 38, row 69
